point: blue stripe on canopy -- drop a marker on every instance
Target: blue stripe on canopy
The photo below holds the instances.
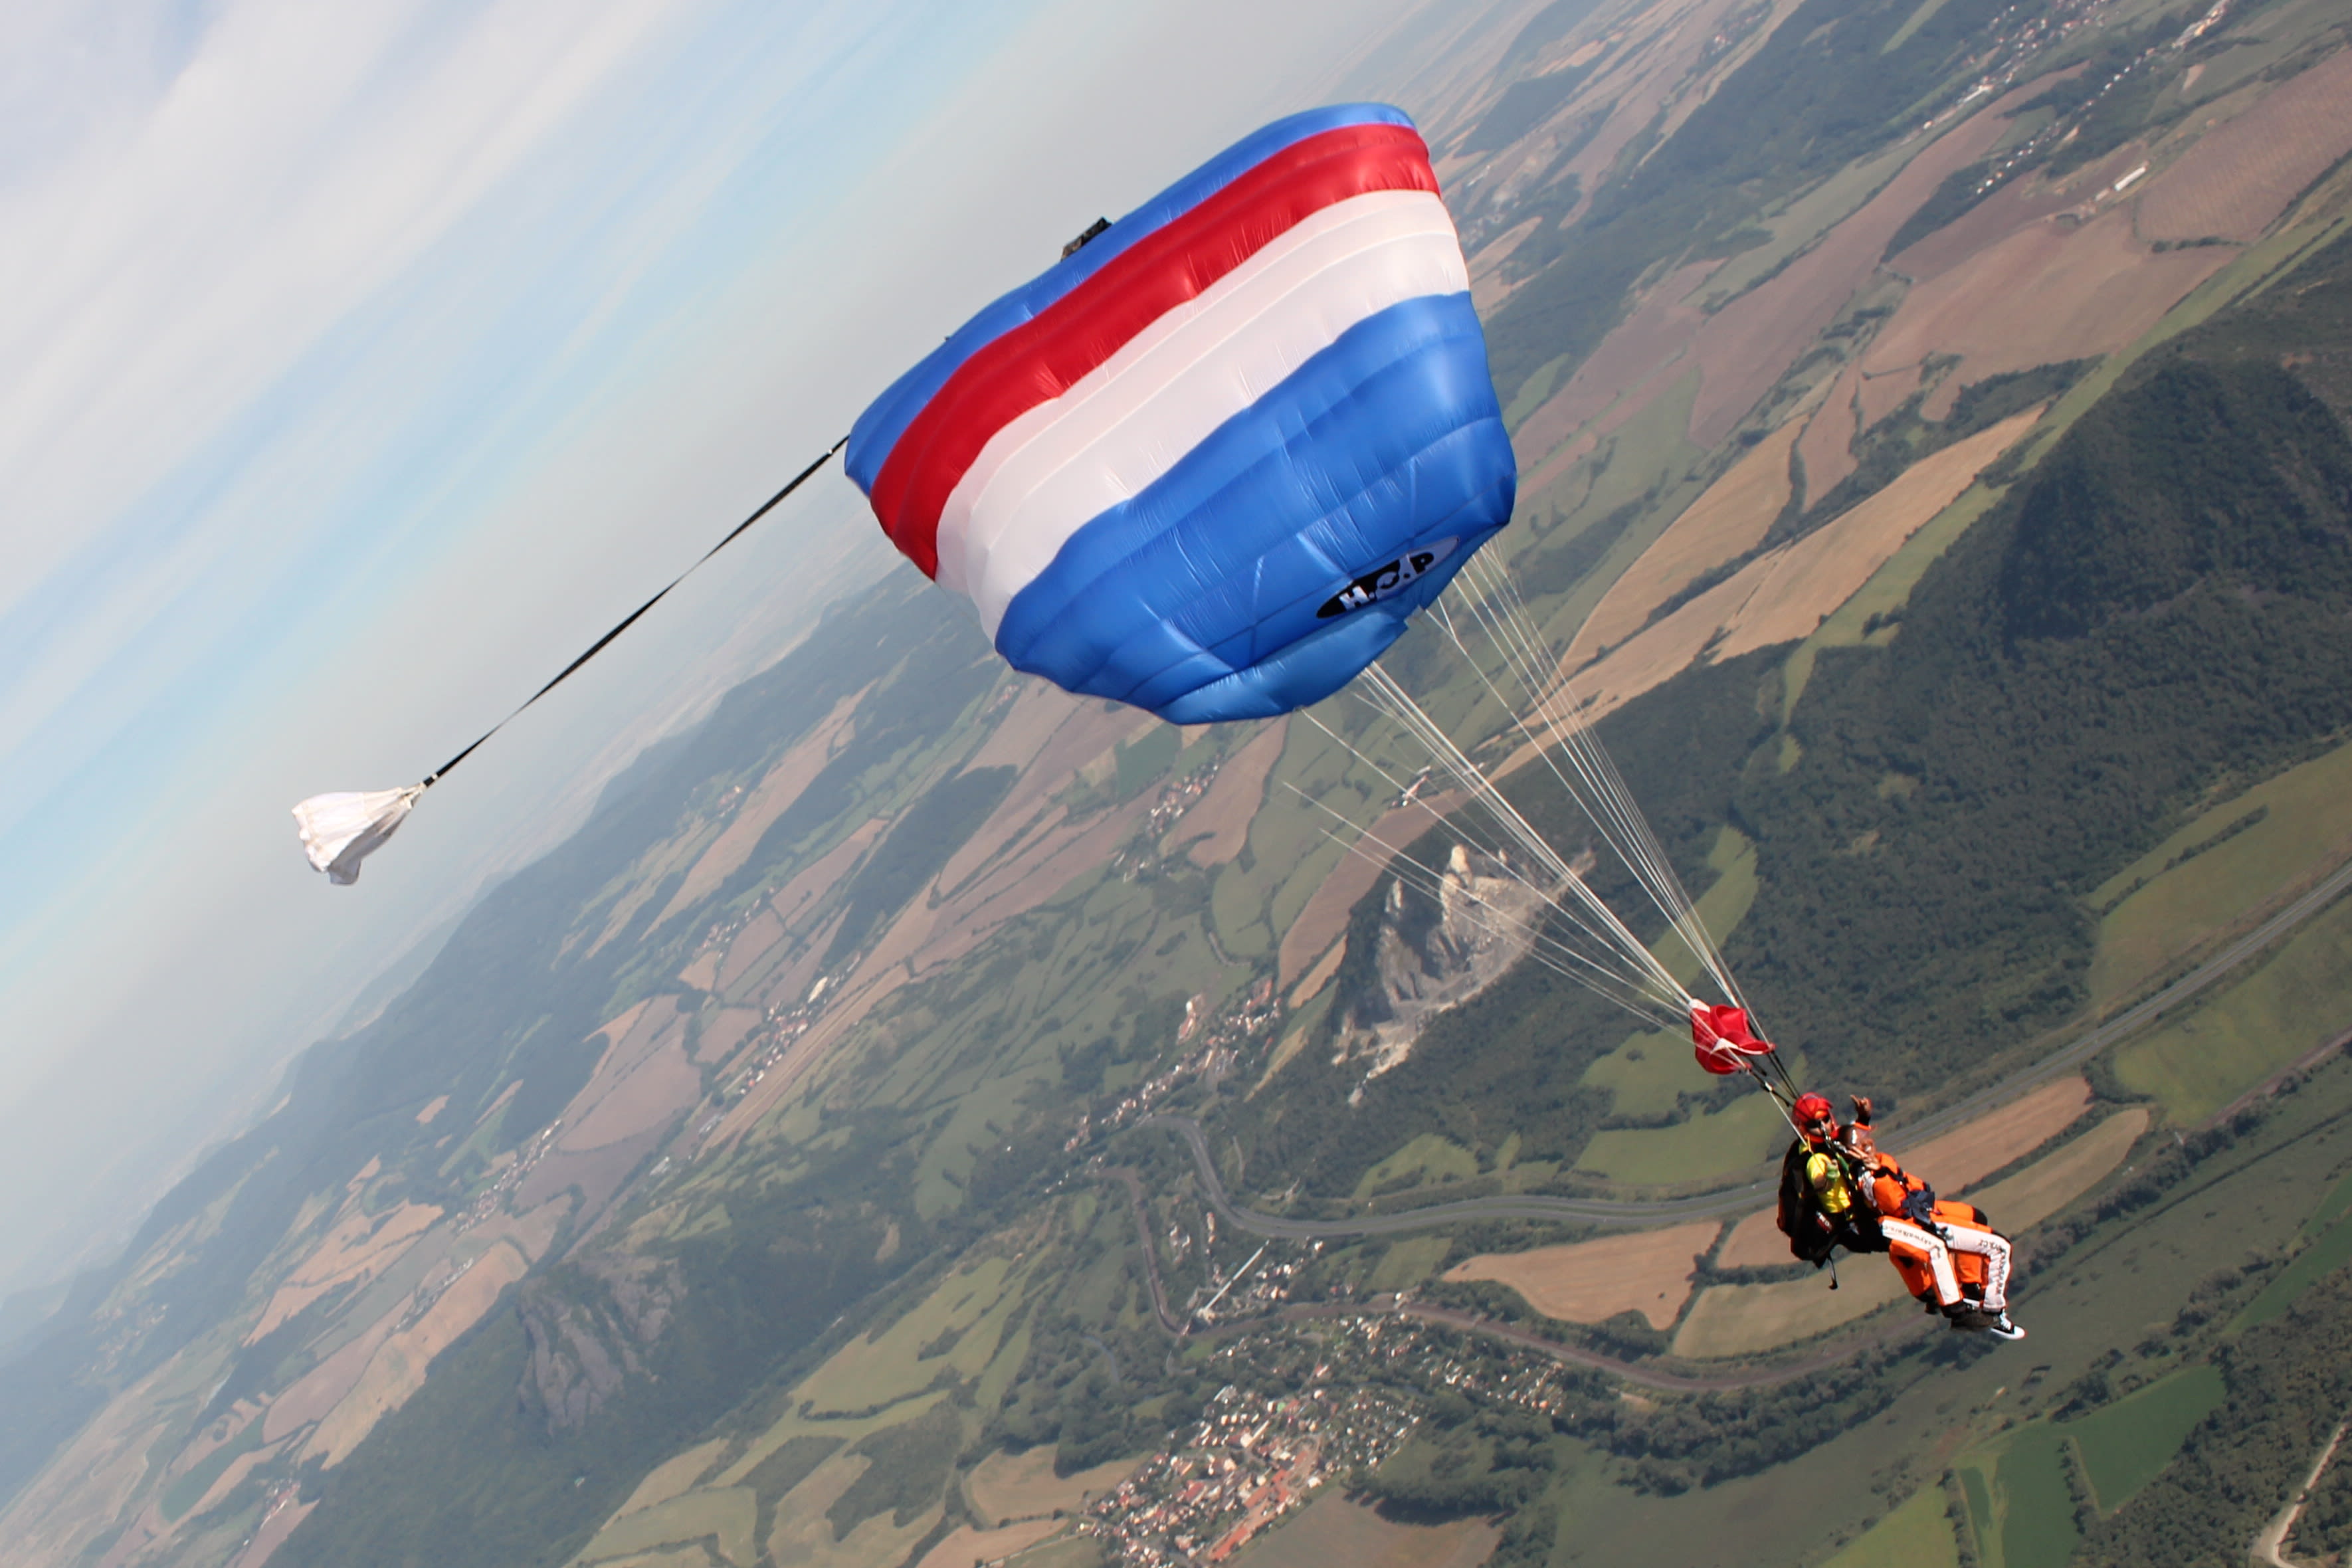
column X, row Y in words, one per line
column 1197, row 598
column 887, row 417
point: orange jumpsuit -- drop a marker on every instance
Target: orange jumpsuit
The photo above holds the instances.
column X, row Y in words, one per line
column 1960, row 1258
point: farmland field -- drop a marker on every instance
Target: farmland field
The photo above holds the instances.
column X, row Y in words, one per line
column 1004, row 1488
column 1717, row 1143
column 2037, row 1510
column 1648, row 1272
column 1407, row 1262
column 2123, row 1444
column 2329, row 1250
column 1916, row 1535
column 2219, row 868
column 1425, row 1162
column 875, row 1371
column 1333, row 1529
column 1741, row 1319
column 2295, row 1002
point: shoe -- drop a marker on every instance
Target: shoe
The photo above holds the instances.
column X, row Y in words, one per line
column 2001, row 1328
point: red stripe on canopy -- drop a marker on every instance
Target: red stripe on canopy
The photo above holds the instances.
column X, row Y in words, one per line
column 1044, row 356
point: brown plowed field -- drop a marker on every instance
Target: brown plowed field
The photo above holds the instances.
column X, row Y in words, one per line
column 1755, row 1242
column 2049, row 1185
column 359, row 1246
column 788, row 983
column 2047, row 292
column 2232, row 183
column 656, row 1086
column 1218, row 826
column 791, row 902
column 759, row 933
column 598, row 1173
column 2021, row 204
column 968, row 1548
column 273, row 1533
column 1723, row 525
column 1648, row 1272
column 722, row 1033
column 1967, row 1155
column 396, row 1370
column 1826, row 448
column 1318, row 977
column 631, row 1037
column 317, row 1393
column 1037, row 709
column 1784, row 595
column 1879, row 393
column 1084, row 732
column 1659, row 332
column 1748, row 344
column 1814, row 576
column 767, row 800
column 1655, row 654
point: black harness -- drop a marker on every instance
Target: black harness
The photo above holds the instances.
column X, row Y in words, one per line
column 1812, row 1231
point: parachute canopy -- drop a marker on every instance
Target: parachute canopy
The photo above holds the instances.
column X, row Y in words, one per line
column 1212, row 462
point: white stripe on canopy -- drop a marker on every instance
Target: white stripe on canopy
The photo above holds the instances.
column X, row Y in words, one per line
column 1046, row 474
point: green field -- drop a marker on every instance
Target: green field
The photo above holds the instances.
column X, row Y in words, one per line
column 187, row 1491
column 1916, row 1535
column 2216, row 871
column 1646, row 1075
column 2331, row 1208
column 1984, row 1524
column 1741, row 1135
column 2123, row 1446
column 2330, row 1251
column 728, row 1516
column 2037, row 1511
column 1428, row 1158
column 2292, row 1005
column 1408, row 1262
column 1721, row 907
column 967, row 1312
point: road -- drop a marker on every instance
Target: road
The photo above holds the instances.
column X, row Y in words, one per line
column 2270, row 1546
column 1729, row 1201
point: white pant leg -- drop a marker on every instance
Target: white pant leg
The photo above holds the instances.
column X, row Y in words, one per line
column 1994, row 1250
column 1922, row 1240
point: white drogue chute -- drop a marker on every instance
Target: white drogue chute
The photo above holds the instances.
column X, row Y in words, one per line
column 341, row 829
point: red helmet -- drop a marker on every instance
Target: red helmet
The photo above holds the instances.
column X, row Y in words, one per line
column 1812, row 1109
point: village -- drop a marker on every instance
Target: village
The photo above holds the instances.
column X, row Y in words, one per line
column 1256, row 1456
column 1220, row 1050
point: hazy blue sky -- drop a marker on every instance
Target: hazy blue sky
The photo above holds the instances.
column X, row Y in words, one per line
column 364, row 361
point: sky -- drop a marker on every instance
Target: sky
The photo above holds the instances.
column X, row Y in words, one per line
column 361, row 363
